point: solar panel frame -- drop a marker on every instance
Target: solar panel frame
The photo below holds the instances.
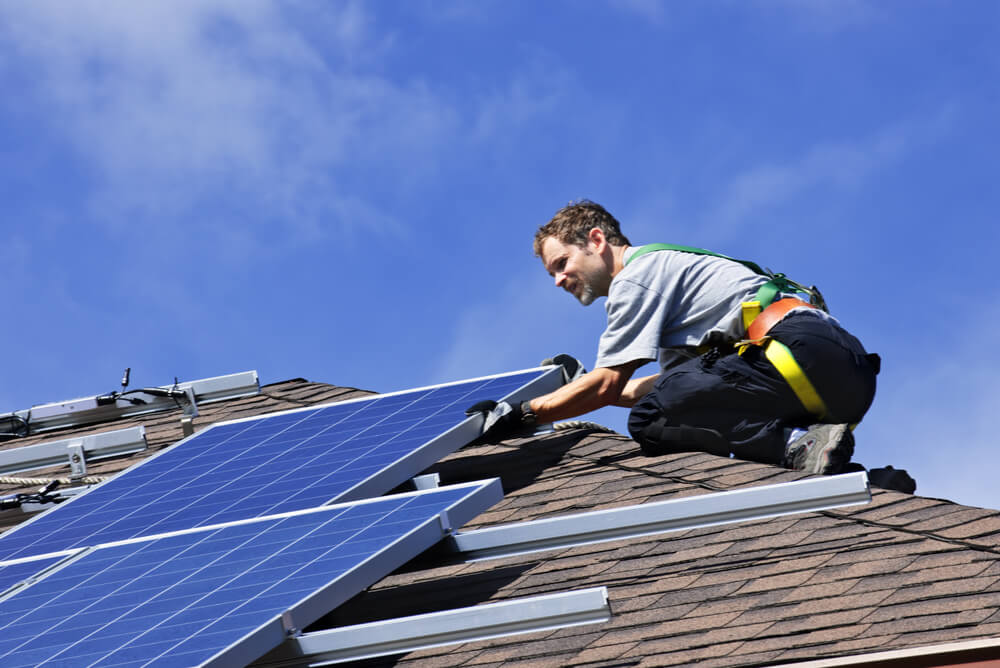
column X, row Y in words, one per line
column 143, row 601
column 419, row 449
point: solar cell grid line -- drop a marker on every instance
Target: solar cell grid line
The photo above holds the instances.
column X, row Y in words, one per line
column 217, row 596
column 275, row 463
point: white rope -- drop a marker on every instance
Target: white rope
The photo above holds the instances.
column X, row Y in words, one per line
column 88, row 480
column 582, row 424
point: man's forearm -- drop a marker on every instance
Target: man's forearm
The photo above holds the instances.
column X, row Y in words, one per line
column 601, row 387
column 636, row 389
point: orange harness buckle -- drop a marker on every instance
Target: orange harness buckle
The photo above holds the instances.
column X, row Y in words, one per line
column 772, row 315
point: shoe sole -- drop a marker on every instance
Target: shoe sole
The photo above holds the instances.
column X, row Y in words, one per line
column 832, row 451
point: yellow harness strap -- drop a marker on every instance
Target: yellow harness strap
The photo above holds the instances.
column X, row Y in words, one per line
column 781, row 357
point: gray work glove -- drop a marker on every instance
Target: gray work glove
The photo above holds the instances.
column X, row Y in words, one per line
column 572, row 367
column 502, row 420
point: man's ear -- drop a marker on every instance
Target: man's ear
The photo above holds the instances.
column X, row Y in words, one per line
column 597, row 239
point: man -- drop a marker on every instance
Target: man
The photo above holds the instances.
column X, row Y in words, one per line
column 685, row 310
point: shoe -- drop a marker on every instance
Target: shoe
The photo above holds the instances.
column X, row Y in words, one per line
column 895, row 479
column 825, row 449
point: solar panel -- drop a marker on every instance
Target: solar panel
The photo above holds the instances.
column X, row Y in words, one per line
column 222, row 595
column 275, row 463
column 13, row 573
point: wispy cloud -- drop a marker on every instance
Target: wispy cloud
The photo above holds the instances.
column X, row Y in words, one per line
column 237, row 108
column 528, row 95
column 831, row 166
column 653, row 11
column 827, row 15
column 182, row 103
column 517, row 325
column 935, row 417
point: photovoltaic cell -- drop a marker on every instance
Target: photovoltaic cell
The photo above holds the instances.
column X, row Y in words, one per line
column 275, row 463
column 215, row 596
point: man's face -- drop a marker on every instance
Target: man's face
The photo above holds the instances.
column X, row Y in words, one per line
column 579, row 271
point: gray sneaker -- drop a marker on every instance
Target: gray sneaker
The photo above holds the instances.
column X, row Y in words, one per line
column 824, row 449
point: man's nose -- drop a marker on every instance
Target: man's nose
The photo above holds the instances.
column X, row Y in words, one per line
column 560, row 279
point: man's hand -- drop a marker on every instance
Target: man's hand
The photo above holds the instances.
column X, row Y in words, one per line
column 502, row 420
column 572, row 367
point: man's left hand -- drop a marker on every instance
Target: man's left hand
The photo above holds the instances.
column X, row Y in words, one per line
column 503, row 420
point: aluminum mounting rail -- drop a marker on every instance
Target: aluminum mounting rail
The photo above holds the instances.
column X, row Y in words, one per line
column 752, row 503
column 63, row 451
column 90, row 410
column 408, row 634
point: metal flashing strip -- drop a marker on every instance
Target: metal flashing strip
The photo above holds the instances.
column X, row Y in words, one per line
column 449, row 627
column 88, row 410
column 737, row 505
column 975, row 652
column 56, row 453
column 275, row 463
column 223, row 595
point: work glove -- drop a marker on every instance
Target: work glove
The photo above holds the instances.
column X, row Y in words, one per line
column 501, row 419
column 572, row 367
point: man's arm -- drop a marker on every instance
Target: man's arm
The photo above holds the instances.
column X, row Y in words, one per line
column 604, row 386
column 636, row 389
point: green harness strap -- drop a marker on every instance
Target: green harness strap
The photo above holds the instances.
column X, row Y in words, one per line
column 765, row 294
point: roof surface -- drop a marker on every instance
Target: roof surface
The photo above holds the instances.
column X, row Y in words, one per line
column 901, row 572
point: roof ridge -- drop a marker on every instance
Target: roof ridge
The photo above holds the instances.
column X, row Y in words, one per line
column 958, row 542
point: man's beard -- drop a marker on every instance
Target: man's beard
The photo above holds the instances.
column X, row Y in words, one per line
column 587, row 295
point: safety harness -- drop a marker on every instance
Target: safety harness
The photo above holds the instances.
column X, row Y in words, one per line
column 761, row 314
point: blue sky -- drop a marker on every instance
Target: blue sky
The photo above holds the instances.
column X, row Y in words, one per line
column 347, row 192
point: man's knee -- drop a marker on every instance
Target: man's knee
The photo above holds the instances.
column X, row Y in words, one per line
column 658, row 437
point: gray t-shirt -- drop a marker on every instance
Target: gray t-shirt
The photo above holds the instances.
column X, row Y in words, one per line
column 667, row 303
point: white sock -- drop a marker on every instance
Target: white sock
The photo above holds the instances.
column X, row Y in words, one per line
column 795, row 433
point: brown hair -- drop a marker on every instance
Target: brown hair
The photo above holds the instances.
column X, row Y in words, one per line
column 572, row 225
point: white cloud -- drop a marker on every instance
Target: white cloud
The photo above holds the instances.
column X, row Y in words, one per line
column 837, row 167
column 828, row 15
column 653, row 11
column 519, row 324
column 250, row 110
column 182, row 103
column 933, row 414
column 530, row 94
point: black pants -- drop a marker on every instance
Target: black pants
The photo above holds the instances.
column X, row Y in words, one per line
column 740, row 405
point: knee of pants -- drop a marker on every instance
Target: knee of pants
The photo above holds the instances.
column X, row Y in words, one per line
column 659, row 437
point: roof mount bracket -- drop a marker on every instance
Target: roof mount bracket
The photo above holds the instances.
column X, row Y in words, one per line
column 191, row 408
column 288, row 624
column 77, row 459
column 426, row 481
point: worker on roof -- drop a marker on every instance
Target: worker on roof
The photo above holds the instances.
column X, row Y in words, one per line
column 786, row 393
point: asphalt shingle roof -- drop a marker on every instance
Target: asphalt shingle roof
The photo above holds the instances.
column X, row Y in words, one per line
column 901, row 572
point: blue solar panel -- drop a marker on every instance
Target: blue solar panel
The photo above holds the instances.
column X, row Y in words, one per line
column 14, row 573
column 213, row 596
column 273, row 464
